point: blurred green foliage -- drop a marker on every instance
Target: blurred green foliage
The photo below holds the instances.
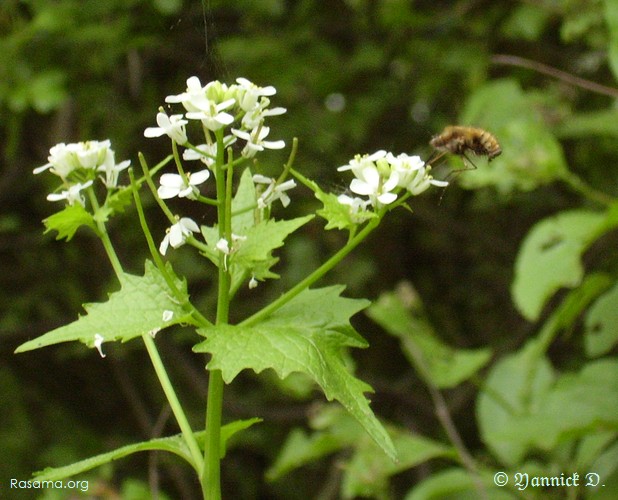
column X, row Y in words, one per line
column 355, row 76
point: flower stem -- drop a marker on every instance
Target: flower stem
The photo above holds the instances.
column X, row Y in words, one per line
column 168, row 389
column 102, row 233
column 212, row 447
column 584, row 189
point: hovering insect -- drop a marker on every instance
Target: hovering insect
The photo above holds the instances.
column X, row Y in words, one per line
column 459, row 140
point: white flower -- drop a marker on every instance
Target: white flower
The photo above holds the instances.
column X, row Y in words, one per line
column 421, row 183
column 249, row 93
column 112, row 171
column 98, row 343
column 193, row 98
column 370, row 183
column 223, row 246
column 274, row 191
column 355, row 202
column 357, row 207
column 65, row 158
column 71, row 195
column 408, row 167
column 254, row 117
column 212, row 115
column 209, row 151
column 177, row 235
column 358, row 163
column 255, row 141
column 206, row 103
column 173, row 126
column 253, row 283
column 174, row 185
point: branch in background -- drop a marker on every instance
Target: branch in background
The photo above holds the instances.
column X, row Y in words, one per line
column 555, row 73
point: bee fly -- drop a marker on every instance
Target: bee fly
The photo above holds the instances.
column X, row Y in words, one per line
column 459, row 140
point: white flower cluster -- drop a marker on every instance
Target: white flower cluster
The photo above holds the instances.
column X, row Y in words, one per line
column 381, row 176
column 217, row 105
column 243, row 107
column 78, row 164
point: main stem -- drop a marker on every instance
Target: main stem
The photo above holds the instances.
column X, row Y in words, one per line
column 212, row 448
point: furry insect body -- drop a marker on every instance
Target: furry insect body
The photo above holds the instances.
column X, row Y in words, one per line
column 459, row 140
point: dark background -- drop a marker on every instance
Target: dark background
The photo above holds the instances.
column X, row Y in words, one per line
column 79, row 70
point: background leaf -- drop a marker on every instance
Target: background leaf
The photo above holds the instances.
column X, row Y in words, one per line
column 444, row 366
column 531, row 154
column 514, row 386
column 601, row 333
column 550, row 258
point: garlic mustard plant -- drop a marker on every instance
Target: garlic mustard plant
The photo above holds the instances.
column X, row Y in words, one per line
column 303, row 330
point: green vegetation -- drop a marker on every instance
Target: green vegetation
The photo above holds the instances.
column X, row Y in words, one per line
column 493, row 329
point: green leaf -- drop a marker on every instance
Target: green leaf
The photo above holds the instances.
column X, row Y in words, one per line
column 68, row 221
column 300, row 449
column 566, row 314
column 306, row 335
column 337, row 214
column 526, row 22
column 515, row 385
column 579, row 404
column 136, row 309
column 525, row 407
column 592, row 123
column 594, row 445
column 457, row 484
column 606, row 465
column 115, row 203
column 173, row 444
column 601, row 324
column 46, row 91
column 228, row 431
column 550, row 258
column 263, row 238
column 444, row 366
column 611, row 19
column 366, row 473
column 252, row 252
column 244, row 204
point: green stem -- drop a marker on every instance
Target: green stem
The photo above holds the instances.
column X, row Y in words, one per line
column 214, row 408
column 156, row 257
column 168, row 389
column 581, row 187
column 102, row 233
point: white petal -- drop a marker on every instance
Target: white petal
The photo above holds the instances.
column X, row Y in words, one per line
column 165, row 192
column 387, row 198
column 189, row 224
column 171, row 180
column 199, row 177
column 164, row 244
column 360, row 187
column 177, row 238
